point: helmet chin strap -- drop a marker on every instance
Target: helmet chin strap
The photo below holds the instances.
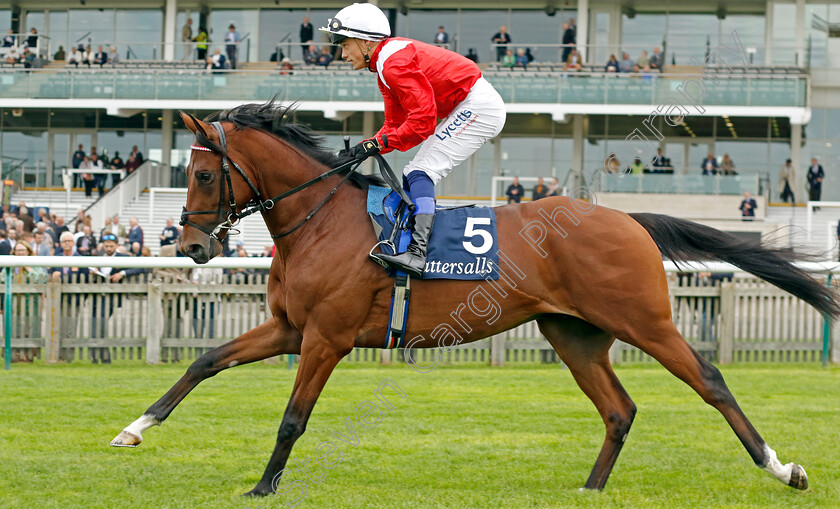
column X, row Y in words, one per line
column 364, row 53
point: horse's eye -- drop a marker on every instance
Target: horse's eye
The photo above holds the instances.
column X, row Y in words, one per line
column 204, row 177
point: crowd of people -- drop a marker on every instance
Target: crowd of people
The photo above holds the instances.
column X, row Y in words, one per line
column 95, row 162
column 21, row 50
column 515, row 191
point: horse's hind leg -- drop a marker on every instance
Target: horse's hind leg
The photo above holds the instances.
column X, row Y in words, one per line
column 274, row 337
column 585, row 349
column 662, row 341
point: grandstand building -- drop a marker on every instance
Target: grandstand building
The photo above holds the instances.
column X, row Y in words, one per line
column 758, row 80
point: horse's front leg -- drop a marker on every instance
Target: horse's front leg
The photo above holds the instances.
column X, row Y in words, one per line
column 274, row 337
column 318, row 358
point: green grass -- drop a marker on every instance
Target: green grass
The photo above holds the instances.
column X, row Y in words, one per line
column 463, row 437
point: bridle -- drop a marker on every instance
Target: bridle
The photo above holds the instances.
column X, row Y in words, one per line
column 229, row 217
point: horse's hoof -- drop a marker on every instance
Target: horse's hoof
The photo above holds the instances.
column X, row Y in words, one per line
column 126, row 439
column 257, row 492
column 798, row 478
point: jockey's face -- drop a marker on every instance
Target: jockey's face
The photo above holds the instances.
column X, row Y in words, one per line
column 354, row 51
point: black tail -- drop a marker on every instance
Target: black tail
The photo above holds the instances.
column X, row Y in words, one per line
column 681, row 241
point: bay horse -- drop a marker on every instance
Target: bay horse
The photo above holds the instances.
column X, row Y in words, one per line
column 587, row 274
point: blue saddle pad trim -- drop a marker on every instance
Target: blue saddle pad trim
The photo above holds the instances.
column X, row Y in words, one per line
column 463, row 244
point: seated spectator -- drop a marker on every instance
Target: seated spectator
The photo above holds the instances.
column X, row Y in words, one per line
column 286, row 66
column 29, row 59
column 658, row 160
column 727, row 166
column 100, row 58
column 75, row 57
column 12, row 57
column 709, row 165
column 529, row 55
column 554, row 187
column 612, row 65
column 42, row 244
column 522, row 58
column 113, row 56
column 277, row 56
column 9, row 40
column 747, row 207
column 217, row 62
column 88, row 56
column 311, row 56
column 136, row 249
column 515, row 191
column 508, row 60
column 131, row 165
column 573, row 63
column 86, row 243
column 325, row 58
column 60, row 55
column 169, row 235
column 626, row 65
column 32, row 40
column 540, row 191
column 644, row 60
column 135, row 232
column 656, row 60
column 472, row 55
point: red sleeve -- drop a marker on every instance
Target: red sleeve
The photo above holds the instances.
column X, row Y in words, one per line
column 410, row 108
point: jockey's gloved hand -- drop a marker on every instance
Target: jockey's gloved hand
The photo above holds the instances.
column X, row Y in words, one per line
column 364, row 149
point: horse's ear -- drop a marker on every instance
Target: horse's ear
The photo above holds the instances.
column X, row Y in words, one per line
column 192, row 123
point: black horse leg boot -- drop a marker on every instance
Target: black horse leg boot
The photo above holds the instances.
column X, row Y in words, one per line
column 413, row 261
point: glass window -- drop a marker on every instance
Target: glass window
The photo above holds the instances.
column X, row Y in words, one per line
column 643, row 32
column 423, row 26
column 750, row 30
column 5, row 19
column 34, row 19
column 477, row 29
column 91, row 27
column 537, row 28
column 30, row 145
column 247, row 24
column 282, row 26
column 142, row 31
column 689, row 35
column 110, row 142
column 601, row 39
column 58, row 31
column 784, row 21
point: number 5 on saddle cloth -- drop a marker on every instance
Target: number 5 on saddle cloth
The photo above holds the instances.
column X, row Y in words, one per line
column 463, row 246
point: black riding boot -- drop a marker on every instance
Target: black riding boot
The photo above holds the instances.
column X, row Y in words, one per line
column 413, row 261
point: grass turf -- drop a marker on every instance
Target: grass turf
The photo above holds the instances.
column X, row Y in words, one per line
column 463, row 437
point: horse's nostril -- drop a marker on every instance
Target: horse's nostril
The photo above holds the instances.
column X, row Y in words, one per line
column 195, row 250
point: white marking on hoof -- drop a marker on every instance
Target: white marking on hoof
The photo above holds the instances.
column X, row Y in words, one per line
column 232, row 364
column 133, row 434
column 776, row 469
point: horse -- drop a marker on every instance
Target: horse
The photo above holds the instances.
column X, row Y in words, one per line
column 586, row 273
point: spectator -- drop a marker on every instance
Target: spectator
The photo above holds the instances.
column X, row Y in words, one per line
column 116, row 164
column 113, row 56
column 815, row 177
column 131, row 165
column 311, row 56
column 501, row 39
column 12, row 56
column 568, row 41
column 87, row 176
column 325, row 57
column 28, row 325
column 231, row 44
column 540, row 191
column 5, row 245
column 118, row 229
column 748, row 207
column 612, row 164
column 32, row 40
column 67, row 247
column 472, row 55
column 658, row 160
column 60, row 55
column 100, row 58
column 787, row 182
column 521, row 58
column 441, row 37
column 80, row 220
column 75, row 58
column 186, row 39
column 268, row 251
column 136, row 249
column 108, row 228
column 99, row 178
column 217, row 61
column 201, row 44
column 9, row 40
column 573, row 63
column 529, row 55
column 515, row 191
column 306, row 34
column 509, row 60
column 709, row 165
column 86, row 244
column 169, row 234
column 135, row 232
column 612, row 65
column 643, row 61
column 138, row 156
column 145, row 252
column 286, row 66
column 28, row 220
column 554, row 187
column 29, row 59
column 656, row 60
column 88, row 56
column 626, row 65
column 41, row 245
column 727, row 166
column 278, row 55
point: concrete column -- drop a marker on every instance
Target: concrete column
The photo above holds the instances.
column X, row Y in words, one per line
column 768, row 33
column 166, row 136
column 796, row 156
column 582, row 22
column 169, row 30
column 799, row 32
column 577, row 142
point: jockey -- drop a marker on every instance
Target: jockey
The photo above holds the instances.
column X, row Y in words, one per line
column 420, row 83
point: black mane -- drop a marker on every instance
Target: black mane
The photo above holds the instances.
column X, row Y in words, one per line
column 275, row 119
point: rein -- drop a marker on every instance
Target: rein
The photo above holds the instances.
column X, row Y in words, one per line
column 257, row 204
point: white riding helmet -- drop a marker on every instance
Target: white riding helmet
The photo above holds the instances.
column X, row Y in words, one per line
column 360, row 21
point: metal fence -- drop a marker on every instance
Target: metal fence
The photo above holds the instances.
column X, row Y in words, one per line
column 168, row 317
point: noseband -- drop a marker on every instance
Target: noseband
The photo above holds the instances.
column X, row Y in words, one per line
column 229, row 218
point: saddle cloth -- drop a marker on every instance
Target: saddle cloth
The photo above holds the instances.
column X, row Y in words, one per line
column 463, row 244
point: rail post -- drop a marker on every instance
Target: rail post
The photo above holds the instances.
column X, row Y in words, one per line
column 154, row 322
column 726, row 339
